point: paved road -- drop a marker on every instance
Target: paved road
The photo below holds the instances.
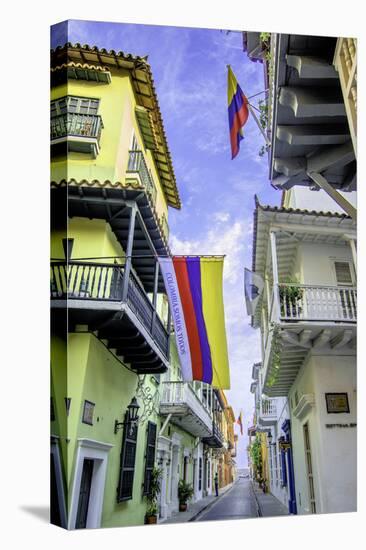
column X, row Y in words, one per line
column 237, row 503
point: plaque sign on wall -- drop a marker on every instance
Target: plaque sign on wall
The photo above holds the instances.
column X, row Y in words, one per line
column 337, row 402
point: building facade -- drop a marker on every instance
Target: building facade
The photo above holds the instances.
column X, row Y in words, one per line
column 119, row 407
column 112, row 183
column 307, row 317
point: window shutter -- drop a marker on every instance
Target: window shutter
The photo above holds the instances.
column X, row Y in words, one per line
column 343, row 273
column 149, row 456
column 127, row 465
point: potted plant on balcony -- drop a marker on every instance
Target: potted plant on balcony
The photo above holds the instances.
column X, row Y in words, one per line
column 185, row 493
column 152, row 497
column 290, row 295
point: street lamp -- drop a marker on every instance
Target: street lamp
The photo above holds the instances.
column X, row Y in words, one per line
column 131, row 416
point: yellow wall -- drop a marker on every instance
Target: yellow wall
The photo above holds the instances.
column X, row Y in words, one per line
column 117, row 109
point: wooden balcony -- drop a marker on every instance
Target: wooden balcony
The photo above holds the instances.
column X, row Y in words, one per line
column 345, row 62
column 267, row 414
column 317, row 303
column 137, row 166
column 98, row 295
column 76, row 132
column 306, row 317
column 187, row 409
column 216, row 439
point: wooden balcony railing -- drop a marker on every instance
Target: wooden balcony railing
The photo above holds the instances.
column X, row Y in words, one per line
column 182, row 393
column 137, row 164
column 76, row 125
column 104, row 282
column 268, row 408
column 317, row 303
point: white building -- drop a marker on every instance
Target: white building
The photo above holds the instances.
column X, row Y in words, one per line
column 271, row 413
column 307, row 316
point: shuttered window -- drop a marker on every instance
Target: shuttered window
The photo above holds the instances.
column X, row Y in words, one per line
column 149, row 455
column 72, row 104
column 127, row 464
column 343, row 273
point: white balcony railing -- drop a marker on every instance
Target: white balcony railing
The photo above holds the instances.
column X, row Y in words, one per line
column 181, row 393
column 317, row 303
column 268, row 408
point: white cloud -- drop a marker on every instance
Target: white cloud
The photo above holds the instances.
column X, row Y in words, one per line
column 221, row 216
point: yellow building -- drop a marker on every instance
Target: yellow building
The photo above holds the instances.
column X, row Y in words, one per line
column 112, row 184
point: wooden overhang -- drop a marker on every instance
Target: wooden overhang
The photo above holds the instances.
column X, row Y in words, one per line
column 146, row 97
column 298, row 336
column 107, row 201
column 309, row 128
column 84, row 71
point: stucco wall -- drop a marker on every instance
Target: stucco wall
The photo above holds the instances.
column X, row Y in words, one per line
column 117, row 104
column 333, row 449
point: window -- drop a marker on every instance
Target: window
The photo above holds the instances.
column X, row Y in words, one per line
column 77, row 105
column 127, row 464
column 88, row 412
column 343, row 273
column 149, row 455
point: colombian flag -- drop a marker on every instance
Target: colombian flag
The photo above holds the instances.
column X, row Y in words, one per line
column 238, row 112
column 194, row 288
column 240, row 422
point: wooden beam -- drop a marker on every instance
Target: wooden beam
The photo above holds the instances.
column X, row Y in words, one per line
column 342, row 339
column 334, row 194
column 322, row 338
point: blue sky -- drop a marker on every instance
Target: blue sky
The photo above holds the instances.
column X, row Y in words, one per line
column 189, row 70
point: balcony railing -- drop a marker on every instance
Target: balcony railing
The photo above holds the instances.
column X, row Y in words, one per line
column 104, row 282
column 178, row 393
column 76, row 125
column 217, row 432
column 268, row 408
column 317, row 303
column 137, row 164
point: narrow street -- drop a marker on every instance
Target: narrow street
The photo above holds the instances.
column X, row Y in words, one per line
column 237, row 503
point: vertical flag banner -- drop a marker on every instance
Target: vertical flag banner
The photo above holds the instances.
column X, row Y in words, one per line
column 195, row 292
column 238, row 112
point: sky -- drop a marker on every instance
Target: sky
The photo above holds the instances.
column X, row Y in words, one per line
column 217, row 193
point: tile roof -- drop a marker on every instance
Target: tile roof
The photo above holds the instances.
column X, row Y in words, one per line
column 146, row 96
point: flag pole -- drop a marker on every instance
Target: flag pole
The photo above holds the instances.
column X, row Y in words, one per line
column 259, row 124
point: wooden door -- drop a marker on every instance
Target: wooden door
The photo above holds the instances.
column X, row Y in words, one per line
column 84, row 495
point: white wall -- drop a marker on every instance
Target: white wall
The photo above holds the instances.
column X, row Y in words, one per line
column 333, row 449
column 314, row 264
column 304, row 198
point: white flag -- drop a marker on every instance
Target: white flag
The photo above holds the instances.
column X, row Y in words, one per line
column 253, row 288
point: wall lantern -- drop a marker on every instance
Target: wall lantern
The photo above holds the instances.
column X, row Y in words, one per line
column 269, row 437
column 131, row 416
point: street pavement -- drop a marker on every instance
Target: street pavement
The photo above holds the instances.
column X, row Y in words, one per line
column 238, row 503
